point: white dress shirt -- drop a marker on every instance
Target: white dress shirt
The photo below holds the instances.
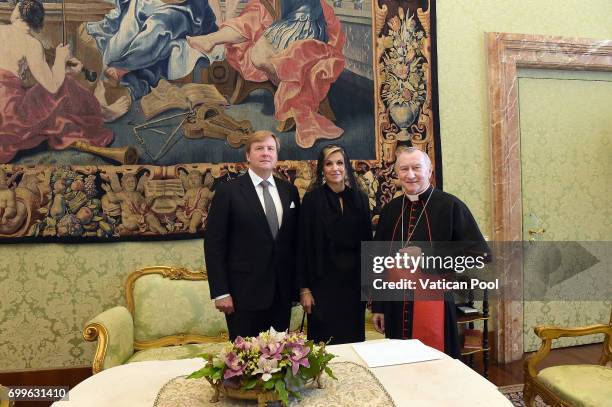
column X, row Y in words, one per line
column 256, row 179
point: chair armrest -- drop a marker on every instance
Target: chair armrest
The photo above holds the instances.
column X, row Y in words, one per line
column 552, row 332
column 114, row 331
column 547, row 333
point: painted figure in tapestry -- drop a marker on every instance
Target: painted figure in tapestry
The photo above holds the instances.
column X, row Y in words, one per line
column 56, row 109
column 136, row 214
column 297, row 50
column 142, row 41
column 301, row 53
column 8, row 199
column 193, row 210
column 22, row 196
column 139, row 42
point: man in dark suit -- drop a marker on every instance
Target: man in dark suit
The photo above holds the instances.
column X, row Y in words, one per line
column 249, row 244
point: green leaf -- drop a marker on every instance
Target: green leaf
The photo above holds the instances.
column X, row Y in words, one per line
column 269, row 385
column 326, row 358
column 249, row 384
column 196, row 375
column 207, row 371
column 330, row 373
column 309, row 372
column 279, row 386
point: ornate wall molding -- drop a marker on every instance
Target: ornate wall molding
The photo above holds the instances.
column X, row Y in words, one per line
column 506, row 54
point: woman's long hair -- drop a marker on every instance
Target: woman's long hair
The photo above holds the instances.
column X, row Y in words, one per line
column 350, row 180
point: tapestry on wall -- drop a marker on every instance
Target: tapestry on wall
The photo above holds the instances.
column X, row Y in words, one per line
column 126, row 131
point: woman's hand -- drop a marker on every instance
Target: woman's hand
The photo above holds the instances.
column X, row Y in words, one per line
column 307, row 300
column 379, row 322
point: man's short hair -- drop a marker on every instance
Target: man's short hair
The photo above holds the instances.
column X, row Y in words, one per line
column 408, row 150
column 258, row 136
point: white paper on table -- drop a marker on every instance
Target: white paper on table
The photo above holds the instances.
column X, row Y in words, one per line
column 394, row 352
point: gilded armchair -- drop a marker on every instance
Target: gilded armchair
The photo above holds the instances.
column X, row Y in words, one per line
column 570, row 385
column 169, row 315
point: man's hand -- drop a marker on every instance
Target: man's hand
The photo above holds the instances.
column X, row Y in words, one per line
column 379, row 322
column 225, row 305
column 307, row 300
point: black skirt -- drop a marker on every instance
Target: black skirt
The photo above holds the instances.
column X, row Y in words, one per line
column 338, row 315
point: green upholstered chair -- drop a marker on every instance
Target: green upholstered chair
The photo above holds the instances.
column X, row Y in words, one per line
column 169, row 315
column 570, row 385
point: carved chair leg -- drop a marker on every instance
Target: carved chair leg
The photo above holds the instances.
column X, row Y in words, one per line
column 529, row 395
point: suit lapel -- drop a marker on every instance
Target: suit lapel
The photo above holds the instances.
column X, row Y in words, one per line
column 253, row 202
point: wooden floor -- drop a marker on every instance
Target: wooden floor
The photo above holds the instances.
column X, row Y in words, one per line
column 512, row 373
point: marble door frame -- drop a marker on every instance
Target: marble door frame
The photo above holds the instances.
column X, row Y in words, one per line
column 506, row 53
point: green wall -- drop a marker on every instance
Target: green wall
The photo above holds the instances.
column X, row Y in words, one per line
column 464, row 114
column 48, row 292
column 462, row 78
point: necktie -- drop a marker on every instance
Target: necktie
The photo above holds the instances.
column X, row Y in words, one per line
column 271, row 215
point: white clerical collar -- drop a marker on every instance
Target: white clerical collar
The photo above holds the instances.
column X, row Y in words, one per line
column 256, row 179
column 414, row 198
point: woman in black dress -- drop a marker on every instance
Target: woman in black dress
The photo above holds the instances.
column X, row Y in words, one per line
column 334, row 220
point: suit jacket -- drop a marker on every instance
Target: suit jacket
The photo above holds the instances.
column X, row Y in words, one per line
column 242, row 258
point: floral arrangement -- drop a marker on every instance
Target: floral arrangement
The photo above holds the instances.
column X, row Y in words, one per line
column 403, row 71
column 278, row 362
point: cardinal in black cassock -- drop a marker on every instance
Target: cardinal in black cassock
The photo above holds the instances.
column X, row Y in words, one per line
column 429, row 216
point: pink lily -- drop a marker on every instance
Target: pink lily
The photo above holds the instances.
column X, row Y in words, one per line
column 299, row 357
column 241, row 344
column 266, row 367
column 272, row 343
column 235, row 366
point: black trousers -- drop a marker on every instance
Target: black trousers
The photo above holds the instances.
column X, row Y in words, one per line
column 251, row 323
